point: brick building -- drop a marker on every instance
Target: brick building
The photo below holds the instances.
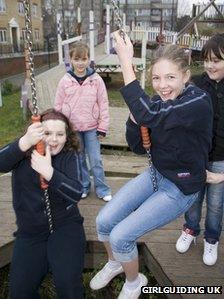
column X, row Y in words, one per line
column 12, row 25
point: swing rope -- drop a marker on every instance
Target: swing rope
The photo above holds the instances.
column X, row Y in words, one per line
column 40, row 147
column 144, row 130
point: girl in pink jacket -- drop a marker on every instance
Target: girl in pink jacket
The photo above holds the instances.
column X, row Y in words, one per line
column 81, row 95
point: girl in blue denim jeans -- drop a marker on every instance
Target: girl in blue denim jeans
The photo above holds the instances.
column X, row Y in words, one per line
column 212, row 81
column 179, row 118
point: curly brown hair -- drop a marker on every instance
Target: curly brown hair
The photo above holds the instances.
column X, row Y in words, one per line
column 72, row 142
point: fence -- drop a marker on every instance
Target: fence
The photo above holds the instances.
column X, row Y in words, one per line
column 11, row 50
column 187, row 40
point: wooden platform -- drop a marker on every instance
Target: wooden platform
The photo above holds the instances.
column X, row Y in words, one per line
column 168, row 266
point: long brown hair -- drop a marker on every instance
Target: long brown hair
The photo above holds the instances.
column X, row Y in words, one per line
column 72, row 142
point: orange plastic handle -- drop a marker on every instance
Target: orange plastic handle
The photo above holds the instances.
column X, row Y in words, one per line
column 145, row 138
column 40, row 147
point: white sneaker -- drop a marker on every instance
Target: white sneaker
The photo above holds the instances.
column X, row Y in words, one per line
column 107, row 197
column 184, row 241
column 104, row 276
column 84, row 195
column 133, row 294
column 210, row 253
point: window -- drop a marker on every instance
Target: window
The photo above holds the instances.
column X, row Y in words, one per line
column 34, row 10
column 2, row 6
column 3, row 35
column 20, row 7
column 36, row 34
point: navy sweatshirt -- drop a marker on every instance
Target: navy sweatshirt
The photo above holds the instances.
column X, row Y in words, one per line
column 216, row 91
column 65, row 189
column 181, row 133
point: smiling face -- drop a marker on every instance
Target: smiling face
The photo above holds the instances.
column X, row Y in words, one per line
column 80, row 64
column 214, row 67
column 168, row 80
column 54, row 135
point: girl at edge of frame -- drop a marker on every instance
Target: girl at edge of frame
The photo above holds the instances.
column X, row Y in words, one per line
column 36, row 250
column 212, row 81
column 179, row 118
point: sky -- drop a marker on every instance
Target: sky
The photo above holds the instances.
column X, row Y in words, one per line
column 185, row 6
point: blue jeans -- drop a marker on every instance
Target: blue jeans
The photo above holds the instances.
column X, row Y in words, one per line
column 214, row 211
column 91, row 147
column 136, row 210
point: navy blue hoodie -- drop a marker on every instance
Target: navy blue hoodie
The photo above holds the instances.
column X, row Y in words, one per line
column 65, row 189
column 181, row 133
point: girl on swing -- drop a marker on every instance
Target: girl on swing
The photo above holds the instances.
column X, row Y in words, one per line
column 36, row 250
column 180, row 121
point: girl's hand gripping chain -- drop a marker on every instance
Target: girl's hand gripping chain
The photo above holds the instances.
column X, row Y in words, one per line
column 40, row 148
column 42, row 164
column 123, row 46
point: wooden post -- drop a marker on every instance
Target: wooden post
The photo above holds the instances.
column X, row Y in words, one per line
column 143, row 54
column 24, row 99
column 108, row 29
column 79, row 21
column 60, row 55
column 91, row 37
column 67, row 57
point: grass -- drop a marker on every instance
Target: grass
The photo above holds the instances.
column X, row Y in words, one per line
column 11, row 119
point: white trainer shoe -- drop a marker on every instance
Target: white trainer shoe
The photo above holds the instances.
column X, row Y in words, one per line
column 185, row 240
column 210, row 253
column 107, row 197
column 133, row 294
column 84, row 195
column 104, row 276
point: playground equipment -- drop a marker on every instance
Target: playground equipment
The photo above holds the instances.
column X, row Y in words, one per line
column 40, row 147
column 103, row 62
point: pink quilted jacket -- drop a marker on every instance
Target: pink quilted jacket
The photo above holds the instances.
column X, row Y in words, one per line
column 85, row 105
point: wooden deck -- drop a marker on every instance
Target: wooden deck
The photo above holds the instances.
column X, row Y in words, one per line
column 168, row 266
column 158, row 248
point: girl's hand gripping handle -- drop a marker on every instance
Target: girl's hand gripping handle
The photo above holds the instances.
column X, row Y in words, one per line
column 40, row 147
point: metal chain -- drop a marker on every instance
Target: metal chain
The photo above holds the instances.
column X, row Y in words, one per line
column 119, row 23
column 48, row 210
column 29, row 46
column 152, row 171
column 118, row 19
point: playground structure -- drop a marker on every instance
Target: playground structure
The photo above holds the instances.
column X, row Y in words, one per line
column 101, row 56
column 101, row 59
column 187, row 40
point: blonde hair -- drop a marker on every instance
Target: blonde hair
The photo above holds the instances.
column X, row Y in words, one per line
column 173, row 53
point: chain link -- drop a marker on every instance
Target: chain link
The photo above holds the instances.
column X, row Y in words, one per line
column 48, row 210
column 29, row 45
column 152, row 171
column 119, row 23
column 118, row 20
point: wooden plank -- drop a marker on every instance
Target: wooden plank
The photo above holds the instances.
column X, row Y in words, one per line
column 124, row 165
